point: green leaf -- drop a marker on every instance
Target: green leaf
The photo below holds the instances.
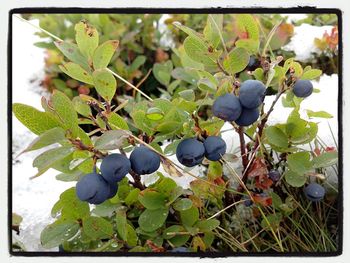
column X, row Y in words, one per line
column 299, row 162
column 187, row 94
column 214, row 170
column 82, row 159
column 46, row 159
column 276, row 137
column 104, row 53
column 276, row 200
column 141, row 121
column 97, row 228
column 190, row 32
column 213, row 29
column 299, row 130
column 64, row 108
column 71, row 207
column 36, row 121
column 162, row 72
column 182, row 204
column 116, row 121
column 171, row 231
column 151, row 220
column 166, row 186
column 185, row 75
column 132, row 197
column 200, row 52
column 190, row 216
column 131, row 236
column 111, row 140
column 319, row 114
column 326, row 159
column 121, row 224
column 154, row 114
column 251, row 45
column 259, row 74
column 49, row 137
column 81, row 107
column 151, row 199
column 72, row 52
column 294, row 179
column 105, row 84
column 167, row 127
column 204, row 84
column 56, row 233
column 272, row 221
column 236, row 61
column 75, row 71
column 311, row 74
column 137, row 62
column 71, row 177
column 207, row 225
column 247, row 24
column 87, row 38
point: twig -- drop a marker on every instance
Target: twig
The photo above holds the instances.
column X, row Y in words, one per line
column 128, row 83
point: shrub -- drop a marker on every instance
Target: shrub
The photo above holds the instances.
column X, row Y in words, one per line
column 225, row 209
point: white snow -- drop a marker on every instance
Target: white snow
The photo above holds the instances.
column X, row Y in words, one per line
column 33, row 199
column 302, row 43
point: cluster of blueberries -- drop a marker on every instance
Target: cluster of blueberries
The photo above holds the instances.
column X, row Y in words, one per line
column 244, row 109
column 191, row 151
column 96, row 188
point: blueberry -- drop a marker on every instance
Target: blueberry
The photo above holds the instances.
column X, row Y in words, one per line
column 247, row 201
column 113, row 189
column 93, row 189
column 314, row 192
column 227, row 107
column 303, row 88
column 248, row 117
column 190, row 152
column 215, row 147
column 274, row 175
column 179, row 249
column 251, row 93
column 114, row 167
column 144, row 160
column 253, row 63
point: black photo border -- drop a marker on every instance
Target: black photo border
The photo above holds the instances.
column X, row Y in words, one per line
column 214, row 10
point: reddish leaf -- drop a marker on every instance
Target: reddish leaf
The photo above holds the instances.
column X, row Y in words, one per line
column 263, row 182
column 330, row 149
column 258, row 168
column 317, row 151
column 154, row 247
column 262, row 199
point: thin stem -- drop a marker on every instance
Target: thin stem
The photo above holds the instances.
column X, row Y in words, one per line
column 131, row 85
column 220, row 35
column 243, row 148
column 227, row 207
column 39, row 28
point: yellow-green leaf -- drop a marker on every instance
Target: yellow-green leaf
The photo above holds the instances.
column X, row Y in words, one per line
column 246, row 24
column 105, row 84
column 104, row 53
column 77, row 72
column 36, row 121
column 86, row 37
column 72, row 52
column 236, row 61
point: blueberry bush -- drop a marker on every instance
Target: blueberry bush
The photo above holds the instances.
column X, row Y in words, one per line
column 278, row 198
